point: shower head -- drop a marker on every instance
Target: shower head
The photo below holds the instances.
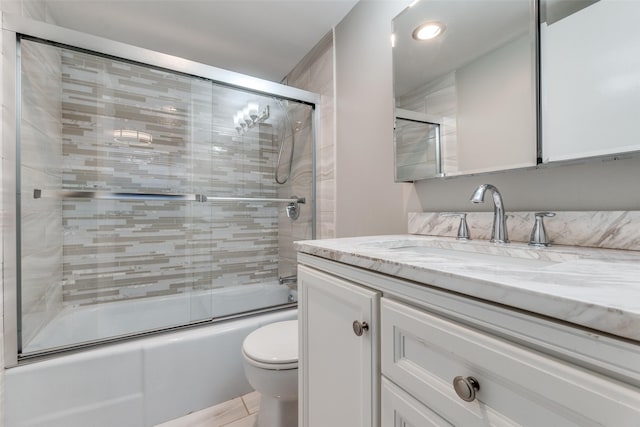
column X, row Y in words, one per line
column 253, row 109
column 249, row 116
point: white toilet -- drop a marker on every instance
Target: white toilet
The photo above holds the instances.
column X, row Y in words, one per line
column 271, row 366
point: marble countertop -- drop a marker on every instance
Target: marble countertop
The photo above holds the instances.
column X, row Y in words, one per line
column 595, row 288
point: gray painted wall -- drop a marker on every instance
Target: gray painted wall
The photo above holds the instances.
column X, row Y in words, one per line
column 368, row 202
column 367, row 199
column 588, row 186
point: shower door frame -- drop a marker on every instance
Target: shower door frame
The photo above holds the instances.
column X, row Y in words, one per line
column 15, row 26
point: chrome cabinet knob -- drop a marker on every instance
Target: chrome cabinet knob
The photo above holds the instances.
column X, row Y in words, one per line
column 466, row 388
column 360, row 327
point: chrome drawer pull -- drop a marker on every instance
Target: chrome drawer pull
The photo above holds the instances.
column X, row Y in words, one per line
column 359, row 328
column 466, row 388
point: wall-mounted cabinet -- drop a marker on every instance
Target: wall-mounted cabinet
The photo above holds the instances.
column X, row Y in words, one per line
column 519, row 83
column 478, row 76
column 590, row 79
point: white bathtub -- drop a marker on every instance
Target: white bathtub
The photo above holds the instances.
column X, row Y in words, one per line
column 141, row 382
column 113, row 319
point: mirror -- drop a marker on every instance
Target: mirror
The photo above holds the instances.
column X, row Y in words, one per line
column 478, row 76
column 590, row 78
column 416, row 139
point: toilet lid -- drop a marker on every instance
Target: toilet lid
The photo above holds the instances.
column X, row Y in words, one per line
column 274, row 343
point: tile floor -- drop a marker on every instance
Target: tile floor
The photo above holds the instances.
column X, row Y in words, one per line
column 238, row 412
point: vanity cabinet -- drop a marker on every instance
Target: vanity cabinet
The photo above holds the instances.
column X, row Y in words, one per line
column 423, row 353
column 399, row 409
column 512, row 367
column 339, row 351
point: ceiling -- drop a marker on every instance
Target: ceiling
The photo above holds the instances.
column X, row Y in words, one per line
column 261, row 38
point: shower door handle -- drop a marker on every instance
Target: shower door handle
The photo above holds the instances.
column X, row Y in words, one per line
column 359, row 327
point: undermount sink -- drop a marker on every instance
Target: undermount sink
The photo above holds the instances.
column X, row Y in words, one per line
column 476, row 252
column 472, row 257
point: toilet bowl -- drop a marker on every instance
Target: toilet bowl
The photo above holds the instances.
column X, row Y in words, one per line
column 271, row 366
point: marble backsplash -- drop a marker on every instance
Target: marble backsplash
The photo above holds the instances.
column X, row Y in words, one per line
column 598, row 229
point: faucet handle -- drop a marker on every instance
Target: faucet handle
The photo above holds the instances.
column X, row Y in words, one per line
column 539, row 235
column 463, row 228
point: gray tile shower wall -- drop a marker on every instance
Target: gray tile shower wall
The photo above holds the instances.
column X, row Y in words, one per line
column 315, row 73
column 121, row 249
column 298, row 184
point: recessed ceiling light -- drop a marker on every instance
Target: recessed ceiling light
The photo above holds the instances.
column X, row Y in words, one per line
column 428, row 30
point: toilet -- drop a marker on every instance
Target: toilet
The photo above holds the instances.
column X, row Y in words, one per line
column 271, row 366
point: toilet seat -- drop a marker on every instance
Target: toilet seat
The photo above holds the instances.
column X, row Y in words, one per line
column 274, row 346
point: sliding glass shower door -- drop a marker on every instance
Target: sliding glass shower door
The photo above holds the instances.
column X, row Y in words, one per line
column 148, row 198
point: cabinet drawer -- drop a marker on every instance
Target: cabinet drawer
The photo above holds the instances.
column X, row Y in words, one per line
column 401, row 410
column 423, row 353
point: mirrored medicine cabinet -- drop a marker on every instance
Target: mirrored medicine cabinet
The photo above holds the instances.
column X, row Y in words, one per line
column 478, row 76
column 590, row 78
column 473, row 98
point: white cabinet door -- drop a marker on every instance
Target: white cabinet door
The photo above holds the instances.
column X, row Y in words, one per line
column 338, row 370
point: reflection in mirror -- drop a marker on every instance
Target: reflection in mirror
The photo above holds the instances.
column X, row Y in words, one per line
column 478, row 75
column 590, row 78
column 416, row 145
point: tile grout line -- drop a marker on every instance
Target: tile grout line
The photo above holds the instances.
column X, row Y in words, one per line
column 241, row 418
column 246, row 408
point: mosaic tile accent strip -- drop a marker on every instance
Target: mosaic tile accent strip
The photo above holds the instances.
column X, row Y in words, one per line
column 602, row 229
column 122, row 249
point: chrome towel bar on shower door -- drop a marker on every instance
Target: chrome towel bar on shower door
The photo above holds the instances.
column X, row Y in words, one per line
column 106, row 195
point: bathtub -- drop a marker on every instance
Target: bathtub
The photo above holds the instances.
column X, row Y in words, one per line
column 113, row 319
column 140, row 382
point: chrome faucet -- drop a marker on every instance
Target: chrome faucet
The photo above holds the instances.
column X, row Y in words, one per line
column 499, row 231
